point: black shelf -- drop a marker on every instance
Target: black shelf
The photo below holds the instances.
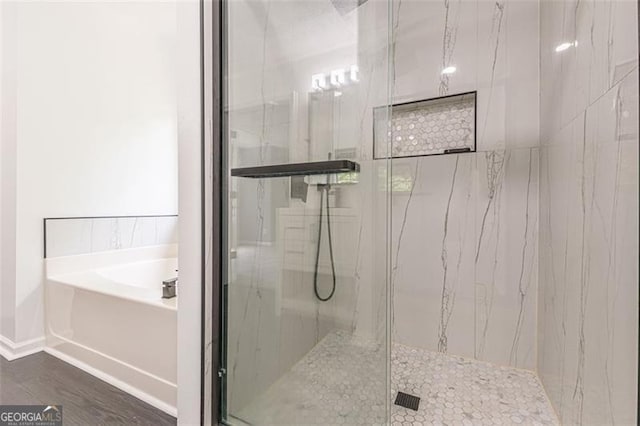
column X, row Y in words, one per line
column 297, row 169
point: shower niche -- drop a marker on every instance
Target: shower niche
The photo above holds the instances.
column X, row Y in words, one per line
column 444, row 125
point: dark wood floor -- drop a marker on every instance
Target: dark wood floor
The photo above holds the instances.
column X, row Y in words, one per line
column 45, row 380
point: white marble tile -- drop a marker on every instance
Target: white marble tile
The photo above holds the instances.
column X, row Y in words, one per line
column 603, row 34
column 456, row 390
column 432, row 252
column 65, row 237
column 559, row 269
column 430, row 36
column 505, row 257
column 469, row 290
column 522, row 86
column 73, row 236
column 465, row 254
column 491, row 69
column 166, row 229
column 507, row 74
column 589, row 262
column 493, row 46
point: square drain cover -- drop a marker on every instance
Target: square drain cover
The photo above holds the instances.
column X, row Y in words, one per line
column 407, row 401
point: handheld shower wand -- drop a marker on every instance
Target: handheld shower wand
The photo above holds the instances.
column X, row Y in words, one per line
column 324, row 188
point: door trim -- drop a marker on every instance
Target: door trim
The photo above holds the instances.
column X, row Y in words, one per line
column 213, row 190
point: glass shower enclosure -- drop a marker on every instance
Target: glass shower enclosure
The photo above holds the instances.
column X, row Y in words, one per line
column 498, row 283
column 306, row 295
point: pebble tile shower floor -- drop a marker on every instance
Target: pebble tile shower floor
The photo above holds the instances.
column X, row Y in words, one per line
column 339, row 382
column 460, row 391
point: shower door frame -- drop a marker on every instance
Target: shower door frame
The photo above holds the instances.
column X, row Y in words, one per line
column 213, row 197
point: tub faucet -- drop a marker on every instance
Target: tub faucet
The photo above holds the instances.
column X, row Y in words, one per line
column 169, row 288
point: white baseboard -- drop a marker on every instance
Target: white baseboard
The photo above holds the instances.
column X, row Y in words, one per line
column 11, row 350
column 151, row 400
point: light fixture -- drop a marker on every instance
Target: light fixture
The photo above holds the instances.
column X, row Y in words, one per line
column 318, row 81
column 337, row 93
column 353, row 73
column 449, row 70
column 337, row 77
column 564, row 46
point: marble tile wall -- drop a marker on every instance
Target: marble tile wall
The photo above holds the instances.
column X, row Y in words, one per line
column 588, row 292
column 465, row 226
column 494, row 47
column 465, row 255
column 67, row 237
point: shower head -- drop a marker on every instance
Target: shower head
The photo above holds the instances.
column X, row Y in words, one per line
column 347, row 6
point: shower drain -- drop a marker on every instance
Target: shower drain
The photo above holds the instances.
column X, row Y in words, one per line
column 407, row 401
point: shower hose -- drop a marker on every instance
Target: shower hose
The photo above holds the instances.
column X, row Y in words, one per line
column 323, row 189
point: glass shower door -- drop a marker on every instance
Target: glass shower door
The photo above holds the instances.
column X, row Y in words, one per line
column 307, row 306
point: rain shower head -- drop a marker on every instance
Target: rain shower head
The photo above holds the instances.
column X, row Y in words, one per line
column 346, row 6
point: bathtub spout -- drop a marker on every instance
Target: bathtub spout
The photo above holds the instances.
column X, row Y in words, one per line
column 169, row 288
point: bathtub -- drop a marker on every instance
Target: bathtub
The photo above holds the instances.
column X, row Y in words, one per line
column 105, row 314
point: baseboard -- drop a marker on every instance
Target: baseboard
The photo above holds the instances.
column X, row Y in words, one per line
column 11, row 350
column 151, row 400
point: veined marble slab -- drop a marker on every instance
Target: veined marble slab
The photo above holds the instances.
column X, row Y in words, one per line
column 465, row 255
column 588, row 307
column 494, row 48
column 66, row 237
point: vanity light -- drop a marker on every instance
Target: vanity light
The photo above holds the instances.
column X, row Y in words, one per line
column 318, row 81
column 337, row 77
column 353, row 73
column 565, row 46
column 449, row 70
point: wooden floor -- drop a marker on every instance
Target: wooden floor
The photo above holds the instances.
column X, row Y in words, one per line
column 45, row 380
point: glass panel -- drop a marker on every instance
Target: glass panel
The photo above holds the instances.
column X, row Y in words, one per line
column 307, row 295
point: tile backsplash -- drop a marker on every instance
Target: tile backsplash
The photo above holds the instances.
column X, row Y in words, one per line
column 73, row 236
column 428, row 127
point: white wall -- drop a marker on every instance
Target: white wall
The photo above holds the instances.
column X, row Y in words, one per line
column 190, row 255
column 7, row 170
column 95, row 114
column 95, row 124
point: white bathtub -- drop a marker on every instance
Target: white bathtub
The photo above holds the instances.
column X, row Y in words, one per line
column 105, row 314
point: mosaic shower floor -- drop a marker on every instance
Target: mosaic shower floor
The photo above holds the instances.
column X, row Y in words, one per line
column 460, row 391
column 341, row 380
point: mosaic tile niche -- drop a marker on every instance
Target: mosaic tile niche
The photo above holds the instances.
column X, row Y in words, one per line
column 428, row 127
